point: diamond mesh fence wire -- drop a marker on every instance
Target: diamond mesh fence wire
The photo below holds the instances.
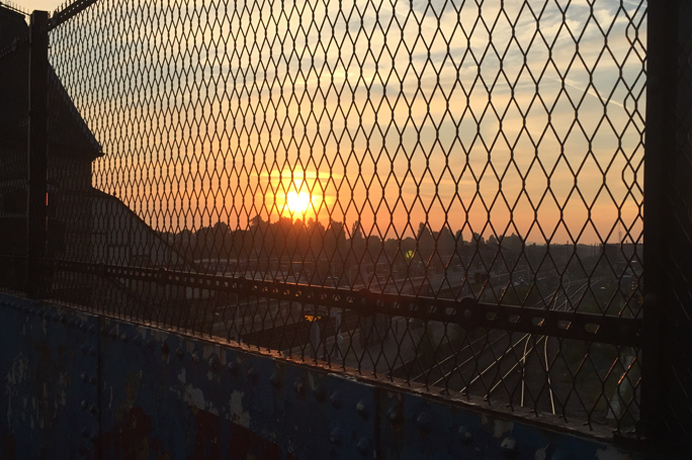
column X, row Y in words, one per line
column 445, row 194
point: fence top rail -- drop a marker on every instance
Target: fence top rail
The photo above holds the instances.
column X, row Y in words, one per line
column 68, row 11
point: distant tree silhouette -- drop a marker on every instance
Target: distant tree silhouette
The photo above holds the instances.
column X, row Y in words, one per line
column 321, row 252
column 426, row 243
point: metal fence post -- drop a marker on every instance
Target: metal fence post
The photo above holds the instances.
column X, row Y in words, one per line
column 666, row 402
column 38, row 149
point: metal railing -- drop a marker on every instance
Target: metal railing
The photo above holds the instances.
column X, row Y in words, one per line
column 444, row 195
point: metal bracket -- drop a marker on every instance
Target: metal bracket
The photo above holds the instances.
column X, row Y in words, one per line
column 466, row 312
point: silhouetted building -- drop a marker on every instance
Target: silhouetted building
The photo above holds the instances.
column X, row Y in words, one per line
column 84, row 224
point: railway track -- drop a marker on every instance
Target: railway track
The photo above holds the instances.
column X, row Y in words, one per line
column 512, row 368
column 523, row 378
column 499, row 366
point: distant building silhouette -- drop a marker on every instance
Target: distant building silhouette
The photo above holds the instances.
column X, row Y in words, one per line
column 84, row 224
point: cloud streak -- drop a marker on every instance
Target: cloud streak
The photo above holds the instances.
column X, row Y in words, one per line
column 426, row 98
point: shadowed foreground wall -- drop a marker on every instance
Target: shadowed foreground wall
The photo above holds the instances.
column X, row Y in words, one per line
column 83, row 386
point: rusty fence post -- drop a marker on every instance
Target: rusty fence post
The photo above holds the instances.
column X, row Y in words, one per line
column 38, row 152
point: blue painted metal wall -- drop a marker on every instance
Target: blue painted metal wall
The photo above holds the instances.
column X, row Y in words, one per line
column 81, row 386
column 48, row 362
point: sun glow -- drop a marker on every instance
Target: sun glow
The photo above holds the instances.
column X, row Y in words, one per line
column 298, row 202
column 300, row 195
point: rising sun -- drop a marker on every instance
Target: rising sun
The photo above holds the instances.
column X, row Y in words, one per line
column 297, row 203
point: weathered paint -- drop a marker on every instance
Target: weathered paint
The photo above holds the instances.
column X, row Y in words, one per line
column 79, row 386
column 47, row 363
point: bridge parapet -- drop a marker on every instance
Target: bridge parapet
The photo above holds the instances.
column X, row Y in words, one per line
column 97, row 387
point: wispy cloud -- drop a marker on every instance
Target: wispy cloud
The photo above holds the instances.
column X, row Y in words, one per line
column 421, row 97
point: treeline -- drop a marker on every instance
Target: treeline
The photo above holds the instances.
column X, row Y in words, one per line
column 336, row 249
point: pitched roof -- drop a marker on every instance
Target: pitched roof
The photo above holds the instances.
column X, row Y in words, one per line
column 68, row 133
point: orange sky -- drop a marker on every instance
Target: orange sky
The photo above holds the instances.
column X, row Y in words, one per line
column 505, row 130
column 44, row 5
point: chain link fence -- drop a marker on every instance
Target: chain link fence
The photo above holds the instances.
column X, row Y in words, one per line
column 444, row 194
